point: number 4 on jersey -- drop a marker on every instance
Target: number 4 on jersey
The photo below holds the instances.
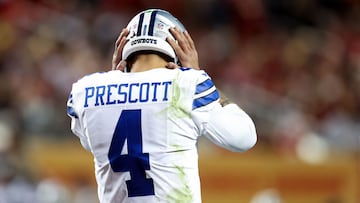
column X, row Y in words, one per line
column 136, row 162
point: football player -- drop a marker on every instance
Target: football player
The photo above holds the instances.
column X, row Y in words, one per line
column 142, row 120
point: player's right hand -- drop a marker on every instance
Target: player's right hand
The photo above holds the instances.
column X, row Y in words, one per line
column 117, row 62
column 184, row 49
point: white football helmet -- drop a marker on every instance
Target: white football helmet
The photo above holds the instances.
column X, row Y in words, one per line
column 148, row 31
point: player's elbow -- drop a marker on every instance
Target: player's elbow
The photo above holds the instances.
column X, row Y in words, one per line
column 231, row 128
column 243, row 131
column 244, row 137
column 237, row 135
column 247, row 142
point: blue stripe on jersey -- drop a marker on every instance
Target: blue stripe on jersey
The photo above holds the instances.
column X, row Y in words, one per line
column 184, row 68
column 70, row 99
column 141, row 20
column 152, row 22
column 71, row 112
column 207, row 84
column 205, row 100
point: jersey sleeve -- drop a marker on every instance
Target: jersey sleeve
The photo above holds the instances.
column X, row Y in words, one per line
column 229, row 126
column 74, row 112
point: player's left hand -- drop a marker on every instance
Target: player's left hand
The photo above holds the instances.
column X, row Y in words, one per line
column 117, row 62
column 184, row 49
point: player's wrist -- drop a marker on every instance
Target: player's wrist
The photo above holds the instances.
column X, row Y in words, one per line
column 224, row 100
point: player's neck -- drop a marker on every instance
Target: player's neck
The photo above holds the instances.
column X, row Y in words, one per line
column 146, row 62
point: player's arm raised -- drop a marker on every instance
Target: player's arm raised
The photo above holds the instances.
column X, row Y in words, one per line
column 186, row 51
column 226, row 125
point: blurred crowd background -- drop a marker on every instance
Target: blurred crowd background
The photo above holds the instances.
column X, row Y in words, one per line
column 294, row 66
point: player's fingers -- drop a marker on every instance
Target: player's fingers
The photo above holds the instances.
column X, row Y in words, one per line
column 117, row 57
column 119, row 38
column 182, row 40
column 115, row 51
column 124, row 33
column 171, row 65
column 189, row 39
column 115, row 60
column 119, row 45
column 121, row 66
column 122, row 43
column 175, row 46
column 174, row 32
column 179, row 36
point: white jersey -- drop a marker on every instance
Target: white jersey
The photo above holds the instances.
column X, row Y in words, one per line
column 142, row 129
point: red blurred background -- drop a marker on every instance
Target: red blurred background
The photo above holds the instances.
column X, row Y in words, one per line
column 294, row 66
